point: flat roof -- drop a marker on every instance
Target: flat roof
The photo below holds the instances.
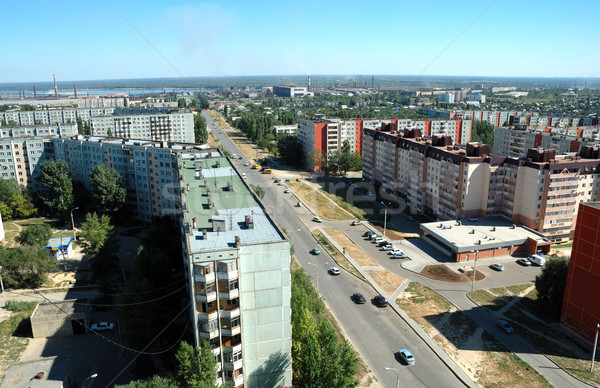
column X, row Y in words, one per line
column 57, row 242
column 488, row 232
column 59, row 309
column 232, row 206
column 23, row 374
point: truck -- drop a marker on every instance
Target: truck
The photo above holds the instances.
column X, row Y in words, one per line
column 267, row 171
column 537, row 260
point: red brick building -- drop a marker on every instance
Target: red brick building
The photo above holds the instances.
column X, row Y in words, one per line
column 581, row 307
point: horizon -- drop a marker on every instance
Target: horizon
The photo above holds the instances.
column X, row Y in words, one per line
column 180, row 39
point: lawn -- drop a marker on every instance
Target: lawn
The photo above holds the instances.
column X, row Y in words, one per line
column 14, row 334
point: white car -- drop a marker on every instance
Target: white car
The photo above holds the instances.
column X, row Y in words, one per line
column 286, row 191
column 334, row 271
column 317, row 219
column 102, row 326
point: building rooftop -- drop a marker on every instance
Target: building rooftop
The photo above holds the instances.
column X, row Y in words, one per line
column 57, row 242
column 59, row 309
column 595, row 204
column 485, row 233
column 222, row 204
column 52, row 372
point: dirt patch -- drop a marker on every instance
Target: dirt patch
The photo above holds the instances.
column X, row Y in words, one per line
column 337, row 255
column 445, row 274
column 394, row 234
column 387, row 280
column 352, row 249
column 321, row 204
column 478, row 353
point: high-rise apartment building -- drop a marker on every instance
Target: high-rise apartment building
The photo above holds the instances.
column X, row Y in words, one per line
column 238, row 263
column 447, row 181
column 19, row 159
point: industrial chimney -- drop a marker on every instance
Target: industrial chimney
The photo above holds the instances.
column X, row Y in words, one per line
column 309, row 83
column 55, row 88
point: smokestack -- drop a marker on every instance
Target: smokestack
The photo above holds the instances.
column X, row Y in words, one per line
column 75, row 90
column 34, row 93
column 309, row 83
column 55, row 88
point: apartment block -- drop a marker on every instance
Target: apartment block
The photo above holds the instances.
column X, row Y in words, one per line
column 514, row 141
column 446, row 98
column 53, row 116
column 434, row 177
column 238, row 263
column 45, row 130
column 19, row 159
column 580, row 309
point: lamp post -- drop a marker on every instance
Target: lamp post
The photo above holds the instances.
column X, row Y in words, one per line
column 397, row 377
column 384, row 218
column 73, row 223
column 93, row 376
column 317, row 269
column 474, row 271
column 593, row 354
column 4, row 295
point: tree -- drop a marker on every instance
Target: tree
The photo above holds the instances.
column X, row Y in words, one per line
column 109, row 132
column 290, row 149
column 550, row 284
column 35, row 235
column 22, row 206
column 181, row 103
column 58, row 198
column 200, row 132
column 153, row 382
column 203, row 102
column 25, row 265
column 483, row 132
column 259, row 190
column 197, row 368
column 108, row 190
column 95, row 231
column 225, row 111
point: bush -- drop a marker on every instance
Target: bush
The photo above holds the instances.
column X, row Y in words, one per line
column 16, row 307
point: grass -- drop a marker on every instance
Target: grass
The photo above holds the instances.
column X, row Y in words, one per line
column 14, row 333
column 486, row 299
column 389, row 281
column 320, row 203
column 337, row 255
column 566, row 245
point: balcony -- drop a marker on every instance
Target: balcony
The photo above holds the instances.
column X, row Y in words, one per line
column 233, row 365
column 216, row 351
column 231, row 275
column 230, row 313
column 231, row 332
column 207, row 316
column 231, row 294
column 233, row 349
column 209, row 335
column 208, row 278
column 206, row 298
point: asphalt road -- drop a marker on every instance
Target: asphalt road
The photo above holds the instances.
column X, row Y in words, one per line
column 377, row 333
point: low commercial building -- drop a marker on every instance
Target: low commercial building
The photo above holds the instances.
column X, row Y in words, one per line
column 580, row 309
column 60, row 247
column 60, row 318
column 47, row 372
column 290, row 91
column 463, row 240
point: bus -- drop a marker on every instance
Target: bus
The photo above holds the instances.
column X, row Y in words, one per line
column 267, row 171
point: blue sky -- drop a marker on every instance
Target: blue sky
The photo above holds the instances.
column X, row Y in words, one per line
column 95, row 39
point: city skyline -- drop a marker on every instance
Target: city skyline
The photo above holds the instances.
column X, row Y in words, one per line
column 113, row 40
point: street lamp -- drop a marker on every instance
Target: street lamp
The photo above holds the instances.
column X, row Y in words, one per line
column 317, row 268
column 73, row 223
column 89, row 377
column 384, row 218
column 474, row 270
column 398, row 376
column 2, row 285
column 593, row 354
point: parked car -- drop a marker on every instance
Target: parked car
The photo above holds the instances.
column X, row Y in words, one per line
column 373, row 236
column 102, row 326
column 389, row 247
column 334, row 271
column 356, row 222
column 497, row 267
column 286, row 191
column 317, row 219
column 377, row 240
column 525, row 262
column 367, row 234
column 473, row 219
column 537, row 260
column 358, row 298
column 505, row 326
column 399, row 255
column 380, row 301
column 406, row 356
column 384, row 243
column 315, row 251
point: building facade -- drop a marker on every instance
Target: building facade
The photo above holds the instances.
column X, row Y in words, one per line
column 290, row 91
column 580, row 309
column 238, row 265
column 446, row 181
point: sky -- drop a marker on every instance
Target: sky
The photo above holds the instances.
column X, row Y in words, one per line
column 116, row 39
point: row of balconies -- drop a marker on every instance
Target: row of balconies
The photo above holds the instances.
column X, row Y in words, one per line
column 224, row 332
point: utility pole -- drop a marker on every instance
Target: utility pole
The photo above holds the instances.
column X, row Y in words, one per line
column 474, row 271
column 4, row 296
column 73, row 224
column 593, row 354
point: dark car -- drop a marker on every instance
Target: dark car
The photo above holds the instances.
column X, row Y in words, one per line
column 384, row 243
column 358, row 298
column 380, row 301
column 505, row 326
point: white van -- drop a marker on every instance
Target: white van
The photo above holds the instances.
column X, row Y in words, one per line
column 537, row 260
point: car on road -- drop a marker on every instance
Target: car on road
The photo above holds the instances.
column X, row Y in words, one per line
column 384, row 243
column 399, row 255
column 317, row 219
column 102, row 326
column 246, row 164
column 377, row 240
column 367, row 234
column 334, row 271
column 286, row 191
column 315, row 251
column 356, row 222
column 505, row 326
column 380, row 301
column 406, row 356
column 358, row 298
column 473, row 219
column 388, row 247
column 524, row 262
column 497, row 267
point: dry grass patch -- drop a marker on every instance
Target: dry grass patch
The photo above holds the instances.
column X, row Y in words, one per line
column 321, row 204
column 445, row 274
column 389, row 281
column 478, row 353
column 217, row 118
column 337, row 256
column 352, row 249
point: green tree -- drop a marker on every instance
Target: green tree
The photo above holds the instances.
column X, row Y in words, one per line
column 225, row 111
column 259, row 190
column 109, row 132
column 483, row 132
column 95, row 231
column 58, row 197
column 8, row 188
column 36, row 235
column 152, row 382
column 550, row 284
column 290, row 148
column 203, row 102
column 181, row 103
column 196, row 368
column 6, row 212
column 22, row 206
column 200, row 132
column 26, row 265
column 108, row 190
